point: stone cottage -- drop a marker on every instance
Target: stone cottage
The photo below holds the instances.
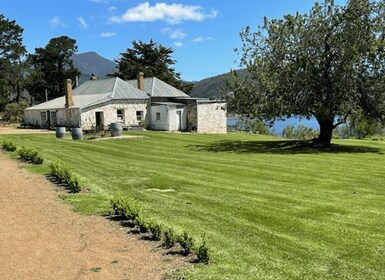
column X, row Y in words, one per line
column 149, row 102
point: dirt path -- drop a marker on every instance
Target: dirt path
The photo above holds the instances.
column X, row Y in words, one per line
column 42, row 238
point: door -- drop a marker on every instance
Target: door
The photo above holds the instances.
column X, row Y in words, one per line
column 99, row 120
column 179, row 120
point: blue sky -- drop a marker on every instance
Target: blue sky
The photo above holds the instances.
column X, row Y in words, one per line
column 203, row 34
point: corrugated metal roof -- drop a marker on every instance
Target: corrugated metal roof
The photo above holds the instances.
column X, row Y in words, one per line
column 157, row 88
column 94, row 92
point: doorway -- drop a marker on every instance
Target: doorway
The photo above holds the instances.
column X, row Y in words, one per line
column 99, row 120
column 179, row 120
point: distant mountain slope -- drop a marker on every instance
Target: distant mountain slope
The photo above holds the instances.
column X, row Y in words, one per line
column 91, row 62
column 213, row 87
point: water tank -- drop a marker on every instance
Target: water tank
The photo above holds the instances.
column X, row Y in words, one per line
column 60, row 132
column 116, row 129
column 76, row 133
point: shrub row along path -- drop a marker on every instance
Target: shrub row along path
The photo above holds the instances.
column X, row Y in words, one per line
column 42, row 238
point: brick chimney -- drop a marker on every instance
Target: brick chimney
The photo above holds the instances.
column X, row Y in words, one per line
column 68, row 93
column 141, row 81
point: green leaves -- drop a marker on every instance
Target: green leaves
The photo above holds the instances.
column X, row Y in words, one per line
column 327, row 64
column 154, row 60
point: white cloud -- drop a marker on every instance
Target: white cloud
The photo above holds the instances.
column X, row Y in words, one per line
column 177, row 34
column 107, row 34
column 55, row 21
column 112, row 9
column 172, row 14
column 202, row 39
column 178, row 44
column 173, row 34
column 82, row 23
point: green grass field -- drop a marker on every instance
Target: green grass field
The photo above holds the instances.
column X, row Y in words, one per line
column 268, row 208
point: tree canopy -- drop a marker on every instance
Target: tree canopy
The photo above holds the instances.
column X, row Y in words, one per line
column 328, row 64
column 154, row 60
column 12, row 52
column 50, row 66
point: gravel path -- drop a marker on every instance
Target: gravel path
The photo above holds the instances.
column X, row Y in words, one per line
column 42, row 238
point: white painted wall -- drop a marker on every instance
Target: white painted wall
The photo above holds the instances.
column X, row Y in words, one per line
column 168, row 120
column 162, row 123
column 65, row 117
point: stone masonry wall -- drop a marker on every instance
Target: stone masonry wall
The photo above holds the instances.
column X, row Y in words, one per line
column 212, row 117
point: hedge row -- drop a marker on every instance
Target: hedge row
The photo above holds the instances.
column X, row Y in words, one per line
column 129, row 210
column 62, row 172
column 25, row 153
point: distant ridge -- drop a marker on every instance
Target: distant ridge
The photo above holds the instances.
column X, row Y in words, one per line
column 213, row 87
column 91, row 62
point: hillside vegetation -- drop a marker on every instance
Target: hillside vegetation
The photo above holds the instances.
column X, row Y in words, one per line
column 268, row 208
column 213, row 87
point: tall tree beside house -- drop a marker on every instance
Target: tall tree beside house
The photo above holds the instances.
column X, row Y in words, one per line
column 12, row 66
column 154, row 60
column 328, row 64
column 50, row 66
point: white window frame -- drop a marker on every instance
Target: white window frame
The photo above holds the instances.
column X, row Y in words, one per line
column 43, row 116
column 120, row 116
column 139, row 116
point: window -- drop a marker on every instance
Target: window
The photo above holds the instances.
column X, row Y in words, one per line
column 120, row 114
column 53, row 118
column 43, row 116
column 157, row 116
column 139, row 115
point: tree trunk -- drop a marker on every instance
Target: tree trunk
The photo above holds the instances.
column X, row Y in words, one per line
column 18, row 93
column 326, row 131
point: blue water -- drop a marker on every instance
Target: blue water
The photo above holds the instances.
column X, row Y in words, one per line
column 280, row 125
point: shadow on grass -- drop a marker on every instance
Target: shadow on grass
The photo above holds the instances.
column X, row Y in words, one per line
column 281, row 147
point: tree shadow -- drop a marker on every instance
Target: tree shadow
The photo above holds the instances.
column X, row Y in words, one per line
column 281, row 147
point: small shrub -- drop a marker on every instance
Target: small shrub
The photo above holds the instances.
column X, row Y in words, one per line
column 30, row 155
column 203, row 253
column 155, row 230
column 74, row 182
column 126, row 208
column 170, row 238
column 186, row 242
column 9, row 145
column 63, row 173
column 141, row 222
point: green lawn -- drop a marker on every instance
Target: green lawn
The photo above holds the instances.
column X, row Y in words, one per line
column 268, row 209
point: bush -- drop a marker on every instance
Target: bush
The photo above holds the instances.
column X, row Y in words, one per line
column 186, row 242
column 141, row 222
column 9, row 145
column 155, row 230
column 126, row 208
column 170, row 238
column 14, row 112
column 30, row 155
column 203, row 253
column 63, row 173
column 300, row 133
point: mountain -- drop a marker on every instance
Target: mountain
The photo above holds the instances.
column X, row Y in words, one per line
column 91, row 62
column 213, row 87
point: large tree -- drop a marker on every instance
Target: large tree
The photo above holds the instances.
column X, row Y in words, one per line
column 154, row 60
column 328, row 64
column 50, row 66
column 12, row 52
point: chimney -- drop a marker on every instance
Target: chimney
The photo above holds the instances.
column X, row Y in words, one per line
column 141, row 81
column 68, row 92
